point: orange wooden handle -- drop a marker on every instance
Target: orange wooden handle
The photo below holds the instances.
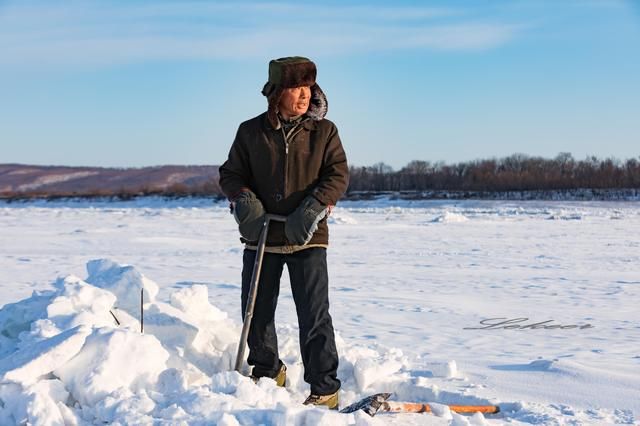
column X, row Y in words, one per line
column 418, row 407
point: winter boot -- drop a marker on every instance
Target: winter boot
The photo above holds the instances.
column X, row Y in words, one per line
column 329, row 401
column 280, row 378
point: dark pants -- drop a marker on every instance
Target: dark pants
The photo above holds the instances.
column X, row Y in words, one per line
column 310, row 288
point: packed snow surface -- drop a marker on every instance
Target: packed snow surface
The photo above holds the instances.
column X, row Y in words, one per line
column 531, row 306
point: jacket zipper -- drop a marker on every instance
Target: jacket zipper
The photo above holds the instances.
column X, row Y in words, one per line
column 287, row 140
column 286, row 168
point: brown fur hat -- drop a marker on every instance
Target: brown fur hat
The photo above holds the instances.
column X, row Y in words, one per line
column 293, row 71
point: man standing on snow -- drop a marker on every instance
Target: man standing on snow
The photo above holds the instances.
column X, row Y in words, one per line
column 289, row 161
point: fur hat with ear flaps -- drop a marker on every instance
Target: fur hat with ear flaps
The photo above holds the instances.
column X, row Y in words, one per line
column 293, row 71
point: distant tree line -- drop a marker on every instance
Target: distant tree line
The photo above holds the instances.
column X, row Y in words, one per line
column 518, row 172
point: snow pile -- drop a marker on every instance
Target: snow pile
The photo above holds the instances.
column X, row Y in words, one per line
column 340, row 217
column 565, row 216
column 125, row 282
column 369, row 367
column 449, row 217
column 64, row 351
column 617, row 215
column 447, row 369
column 76, row 355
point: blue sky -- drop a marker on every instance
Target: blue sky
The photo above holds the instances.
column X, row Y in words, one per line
column 119, row 83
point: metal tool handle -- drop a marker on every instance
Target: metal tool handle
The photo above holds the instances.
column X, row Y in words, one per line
column 253, row 289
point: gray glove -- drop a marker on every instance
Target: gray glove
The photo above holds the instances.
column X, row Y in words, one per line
column 249, row 214
column 303, row 222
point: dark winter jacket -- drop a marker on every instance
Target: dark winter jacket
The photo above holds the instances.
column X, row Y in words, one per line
column 283, row 171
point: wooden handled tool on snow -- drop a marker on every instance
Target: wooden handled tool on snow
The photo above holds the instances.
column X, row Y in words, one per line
column 419, row 407
column 253, row 289
column 378, row 402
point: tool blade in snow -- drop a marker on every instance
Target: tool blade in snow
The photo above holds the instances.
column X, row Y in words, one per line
column 369, row 405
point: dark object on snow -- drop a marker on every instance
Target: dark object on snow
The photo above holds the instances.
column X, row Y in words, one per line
column 369, row 405
column 114, row 317
column 141, row 310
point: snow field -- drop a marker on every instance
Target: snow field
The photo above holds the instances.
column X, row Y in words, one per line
column 408, row 281
column 72, row 364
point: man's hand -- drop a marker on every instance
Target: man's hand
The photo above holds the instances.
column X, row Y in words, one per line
column 249, row 214
column 303, row 222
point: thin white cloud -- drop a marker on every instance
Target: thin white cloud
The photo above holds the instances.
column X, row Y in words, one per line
column 116, row 33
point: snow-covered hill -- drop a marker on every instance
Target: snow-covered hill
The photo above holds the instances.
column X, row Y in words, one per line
column 28, row 180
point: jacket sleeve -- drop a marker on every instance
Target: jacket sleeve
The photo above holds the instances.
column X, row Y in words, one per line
column 235, row 173
column 334, row 174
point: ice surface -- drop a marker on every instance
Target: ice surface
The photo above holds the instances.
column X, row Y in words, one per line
column 408, row 296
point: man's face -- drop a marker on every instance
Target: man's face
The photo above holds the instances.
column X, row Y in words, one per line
column 294, row 101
